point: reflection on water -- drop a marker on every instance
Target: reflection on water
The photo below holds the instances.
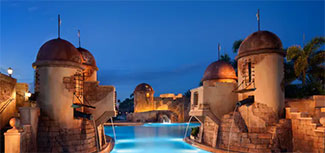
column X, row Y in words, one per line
column 152, row 138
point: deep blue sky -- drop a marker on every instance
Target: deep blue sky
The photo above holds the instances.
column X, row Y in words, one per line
column 166, row 44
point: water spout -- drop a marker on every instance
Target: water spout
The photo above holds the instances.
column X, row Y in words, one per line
column 188, row 123
column 233, row 120
column 113, row 130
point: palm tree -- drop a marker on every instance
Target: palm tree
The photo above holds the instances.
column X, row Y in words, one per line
column 225, row 58
column 309, row 60
column 236, row 45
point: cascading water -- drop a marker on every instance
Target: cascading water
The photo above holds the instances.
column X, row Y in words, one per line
column 188, row 124
column 113, row 129
column 233, row 120
column 166, row 120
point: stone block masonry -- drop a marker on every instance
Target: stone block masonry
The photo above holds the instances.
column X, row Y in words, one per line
column 233, row 132
column 53, row 138
column 308, row 135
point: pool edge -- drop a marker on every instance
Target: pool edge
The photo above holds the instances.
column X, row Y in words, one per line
column 205, row 147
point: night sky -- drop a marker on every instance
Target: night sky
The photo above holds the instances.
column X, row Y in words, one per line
column 166, row 44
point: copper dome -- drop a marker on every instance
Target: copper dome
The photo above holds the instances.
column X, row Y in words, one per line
column 143, row 87
column 260, row 42
column 58, row 50
column 87, row 57
column 219, row 70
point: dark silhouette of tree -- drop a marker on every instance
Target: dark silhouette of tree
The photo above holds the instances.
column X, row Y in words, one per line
column 225, row 58
column 187, row 94
column 236, row 45
column 308, row 60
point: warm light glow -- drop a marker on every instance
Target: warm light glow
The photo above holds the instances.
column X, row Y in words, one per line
column 10, row 71
column 28, row 94
column 148, row 95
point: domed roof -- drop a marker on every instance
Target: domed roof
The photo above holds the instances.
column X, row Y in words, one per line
column 219, row 70
column 143, row 87
column 58, row 50
column 88, row 58
column 260, row 42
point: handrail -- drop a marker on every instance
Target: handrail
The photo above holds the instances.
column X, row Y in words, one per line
column 6, row 105
column 252, row 82
column 84, row 104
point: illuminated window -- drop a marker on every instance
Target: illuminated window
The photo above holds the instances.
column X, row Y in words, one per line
column 147, row 95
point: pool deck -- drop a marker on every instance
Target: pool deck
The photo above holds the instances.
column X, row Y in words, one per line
column 205, row 147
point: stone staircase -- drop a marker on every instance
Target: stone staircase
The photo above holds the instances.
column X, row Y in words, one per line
column 307, row 133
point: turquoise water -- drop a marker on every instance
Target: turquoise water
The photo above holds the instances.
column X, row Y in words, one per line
column 152, row 138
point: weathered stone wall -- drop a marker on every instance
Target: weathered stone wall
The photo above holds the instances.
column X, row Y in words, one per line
column 306, row 105
column 56, row 93
column 21, row 99
column 233, row 133
column 308, row 135
column 220, row 97
column 143, row 101
column 152, row 116
column 101, row 97
column 7, row 99
column 258, row 116
column 178, row 105
column 27, row 144
column 210, row 133
column 53, row 138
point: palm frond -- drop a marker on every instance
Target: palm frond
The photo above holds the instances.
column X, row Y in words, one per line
column 301, row 65
column 294, row 52
column 236, row 45
column 317, row 72
column 225, row 58
column 317, row 58
column 314, row 45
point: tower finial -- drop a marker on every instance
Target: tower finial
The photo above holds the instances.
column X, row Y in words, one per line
column 303, row 39
column 79, row 38
column 219, row 49
column 258, row 19
column 59, row 24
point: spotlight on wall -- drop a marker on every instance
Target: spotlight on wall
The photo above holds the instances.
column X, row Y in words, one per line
column 10, row 71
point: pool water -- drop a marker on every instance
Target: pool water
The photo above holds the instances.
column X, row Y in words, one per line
column 152, row 138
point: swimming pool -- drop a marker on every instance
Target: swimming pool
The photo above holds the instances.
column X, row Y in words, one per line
column 152, row 138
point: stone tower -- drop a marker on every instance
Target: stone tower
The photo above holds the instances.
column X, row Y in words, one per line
column 143, row 98
column 58, row 80
column 215, row 96
column 261, row 77
column 89, row 63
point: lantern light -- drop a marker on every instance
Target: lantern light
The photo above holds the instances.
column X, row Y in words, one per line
column 28, row 94
column 10, row 71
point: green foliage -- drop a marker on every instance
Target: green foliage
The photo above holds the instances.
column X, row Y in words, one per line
column 308, row 65
column 195, row 131
column 308, row 60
